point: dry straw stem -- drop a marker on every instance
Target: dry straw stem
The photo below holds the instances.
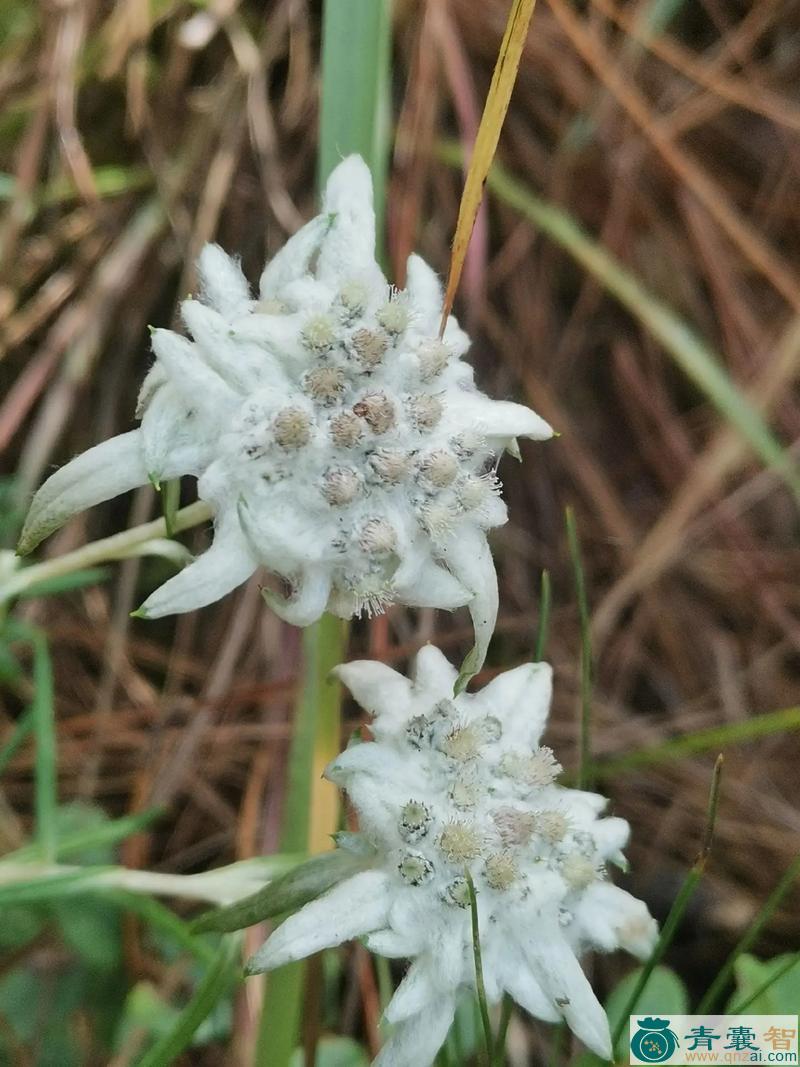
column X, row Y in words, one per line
column 494, row 113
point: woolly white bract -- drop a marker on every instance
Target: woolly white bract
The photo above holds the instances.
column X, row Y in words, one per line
column 339, row 442
column 461, row 784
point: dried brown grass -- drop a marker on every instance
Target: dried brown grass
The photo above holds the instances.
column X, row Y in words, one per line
column 681, row 153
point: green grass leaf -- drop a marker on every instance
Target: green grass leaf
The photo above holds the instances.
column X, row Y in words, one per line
column 218, row 981
column 766, row 987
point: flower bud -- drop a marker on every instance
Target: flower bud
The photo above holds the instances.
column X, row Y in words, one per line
column 474, row 491
column 424, row 411
column 501, row 871
column 377, row 537
column 457, row 892
column 325, row 384
column 460, row 841
column 415, row 869
column 370, row 347
column 389, row 467
column 393, row 315
column 377, row 411
column 292, row 428
column 439, row 468
column 535, row 770
column 346, row 429
column 552, row 826
column 319, row 334
column 353, row 297
column 578, row 871
column 271, row 307
column 438, row 517
column 341, row 485
column 415, row 819
column 433, row 356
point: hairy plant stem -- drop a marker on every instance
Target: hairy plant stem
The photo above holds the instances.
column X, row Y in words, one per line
column 134, row 542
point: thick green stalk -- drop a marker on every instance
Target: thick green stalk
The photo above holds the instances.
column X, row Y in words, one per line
column 354, row 118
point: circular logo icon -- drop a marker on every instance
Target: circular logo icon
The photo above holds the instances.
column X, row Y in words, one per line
column 653, row 1042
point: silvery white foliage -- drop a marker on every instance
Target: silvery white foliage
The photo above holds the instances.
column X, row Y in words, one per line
column 338, row 441
column 460, row 784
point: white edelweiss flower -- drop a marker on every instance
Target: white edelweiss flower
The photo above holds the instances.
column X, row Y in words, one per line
column 339, row 442
column 451, row 785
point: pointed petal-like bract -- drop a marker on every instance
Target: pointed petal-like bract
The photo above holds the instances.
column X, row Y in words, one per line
column 425, row 293
column 216, row 346
column 469, row 558
column 502, row 419
column 379, row 690
column 433, row 673
column 308, row 600
column 219, row 570
column 431, row 587
column 520, row 698
column 222, row 282
column 414, row 993
column 558, row 972
column 610, row 919
column 415, row 1042
column 354, row 907
column 191, row 373
column 294, row 259
column 349, row 247
column 102, row 472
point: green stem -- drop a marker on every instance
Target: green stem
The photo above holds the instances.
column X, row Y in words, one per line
column 502, row 1032
column 479, row 982
column 315, row 741
column 585, row 753
column 43, row 713
column 702, row 741
column 676, row 912
column 118, row 546
column 356, row 37
column 743, row 1005
column 545, row 601
column 750, row 936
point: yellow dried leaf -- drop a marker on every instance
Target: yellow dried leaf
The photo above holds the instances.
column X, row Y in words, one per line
column 494, row 113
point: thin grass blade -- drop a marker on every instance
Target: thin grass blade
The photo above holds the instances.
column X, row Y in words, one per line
column 714, row 992
column 585, row 740
column 676, row 912
column 494, row 113
column 216, row 982
column 699, row 362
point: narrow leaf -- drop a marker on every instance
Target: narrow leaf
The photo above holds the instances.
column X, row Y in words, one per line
column 286, row 893
column 215, row 984
column 494, row 113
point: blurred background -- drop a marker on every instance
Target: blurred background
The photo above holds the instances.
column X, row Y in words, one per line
column 645, row 220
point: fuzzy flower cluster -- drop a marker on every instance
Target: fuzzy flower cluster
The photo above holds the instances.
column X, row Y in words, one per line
column 339, row 441
column 461, row 785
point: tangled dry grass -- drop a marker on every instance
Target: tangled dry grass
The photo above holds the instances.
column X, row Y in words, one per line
column 132, row 133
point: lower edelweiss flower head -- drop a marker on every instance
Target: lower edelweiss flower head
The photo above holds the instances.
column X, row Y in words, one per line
column 339, row 441
column 452, row 785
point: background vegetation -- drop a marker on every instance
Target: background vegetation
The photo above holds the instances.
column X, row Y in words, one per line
column 633, row 276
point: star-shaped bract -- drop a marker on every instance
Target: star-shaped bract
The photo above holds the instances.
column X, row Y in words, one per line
column 340, row 443
column 456, row 785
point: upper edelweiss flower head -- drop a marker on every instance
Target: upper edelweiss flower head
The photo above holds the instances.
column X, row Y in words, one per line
column 456, row 785
column 340, row 442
